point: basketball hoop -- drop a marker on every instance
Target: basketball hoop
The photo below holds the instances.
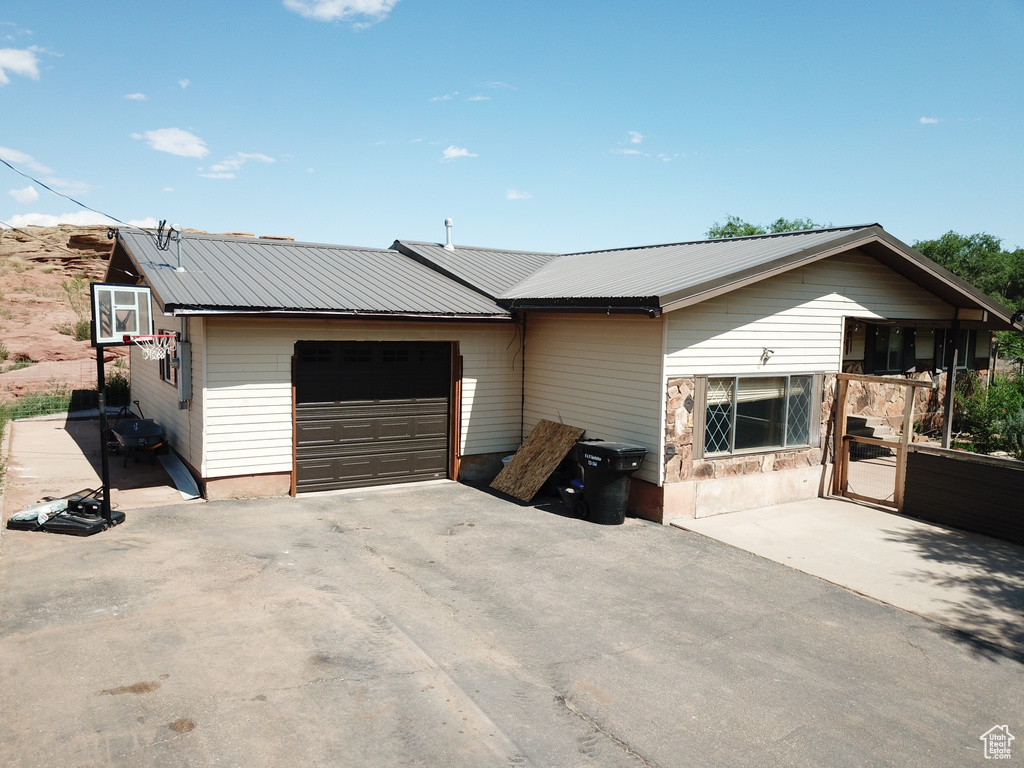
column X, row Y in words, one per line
column 153, row 346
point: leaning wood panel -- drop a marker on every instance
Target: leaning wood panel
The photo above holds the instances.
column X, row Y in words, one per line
column 536, row 459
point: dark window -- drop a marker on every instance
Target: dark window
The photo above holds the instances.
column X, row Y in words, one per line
column 168, row 372
column 889, row 349
column 966, row 349
column 371, row 370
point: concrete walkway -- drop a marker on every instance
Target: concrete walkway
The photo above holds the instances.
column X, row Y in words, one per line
column 57, row 456
column 971, row 583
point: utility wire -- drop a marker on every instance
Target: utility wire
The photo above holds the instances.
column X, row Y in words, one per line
column 61, row 194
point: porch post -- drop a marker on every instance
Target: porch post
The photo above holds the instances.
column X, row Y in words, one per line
column 906, row 436
column 953, row 343
column 839, row 455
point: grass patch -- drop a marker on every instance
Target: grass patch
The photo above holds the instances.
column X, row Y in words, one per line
column 80, row 330
column 58, row 397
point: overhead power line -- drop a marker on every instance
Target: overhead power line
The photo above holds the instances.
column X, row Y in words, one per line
column 61, row 194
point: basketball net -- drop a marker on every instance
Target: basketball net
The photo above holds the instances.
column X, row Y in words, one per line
column 154, row 347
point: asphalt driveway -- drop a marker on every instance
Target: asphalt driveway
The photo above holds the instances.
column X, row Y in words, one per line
column 439, row 625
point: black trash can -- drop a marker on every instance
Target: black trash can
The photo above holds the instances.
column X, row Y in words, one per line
column 607, row 468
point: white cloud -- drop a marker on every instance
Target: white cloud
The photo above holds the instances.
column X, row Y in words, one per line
column 479, row 98
column 226, row 168
column 175, row 141
column 446, row 97
column 135, row 96
column 24, row 196
column 168, row 189
column 929, row 120
column 14, row 156
column 185, row 83
column 453, row 152
column 79, row 218
column 498, row 84
column 621, row 151
column 147, row 223
column 21, row 61
column 635, row 137
column 515, row 194
column 342, row 10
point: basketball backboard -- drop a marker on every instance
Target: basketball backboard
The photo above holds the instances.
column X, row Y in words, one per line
column 119, row 311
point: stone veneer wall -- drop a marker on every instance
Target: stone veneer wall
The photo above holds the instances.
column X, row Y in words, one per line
column 682, row 467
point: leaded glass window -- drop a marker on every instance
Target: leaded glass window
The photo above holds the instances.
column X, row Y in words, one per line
column 758, row 412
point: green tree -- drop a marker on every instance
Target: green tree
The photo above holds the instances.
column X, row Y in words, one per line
column 734, row 226
column 982, row 261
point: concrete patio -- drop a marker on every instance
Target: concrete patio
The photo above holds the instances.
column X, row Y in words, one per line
column 970, row 583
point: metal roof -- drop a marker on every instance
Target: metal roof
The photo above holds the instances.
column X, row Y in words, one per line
column 489, row 270
column 659, row 271
column 242, row 274
column 665, row 277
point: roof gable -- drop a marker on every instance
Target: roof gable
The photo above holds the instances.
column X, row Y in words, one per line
column 667, row 277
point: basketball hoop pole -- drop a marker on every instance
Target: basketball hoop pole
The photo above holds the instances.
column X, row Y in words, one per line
column 101, row 390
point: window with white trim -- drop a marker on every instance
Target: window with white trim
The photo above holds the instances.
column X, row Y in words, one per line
column 751, row 413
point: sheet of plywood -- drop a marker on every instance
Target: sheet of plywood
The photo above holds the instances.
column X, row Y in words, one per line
column 536, row 459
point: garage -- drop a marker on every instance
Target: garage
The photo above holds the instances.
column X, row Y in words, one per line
column 371, row 413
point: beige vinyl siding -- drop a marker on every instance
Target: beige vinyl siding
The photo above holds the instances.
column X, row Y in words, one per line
column 599, row 372
column 158, row 400
column 799, row 315
column 248, row 414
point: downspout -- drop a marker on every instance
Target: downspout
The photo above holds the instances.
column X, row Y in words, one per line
column 522, row 384
column 951, row 362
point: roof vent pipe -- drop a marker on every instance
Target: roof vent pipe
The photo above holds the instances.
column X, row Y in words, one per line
column 448, row 235
column 176, row 230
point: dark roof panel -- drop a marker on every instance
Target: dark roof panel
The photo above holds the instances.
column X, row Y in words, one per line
column 663, row 270
column 489, row 270
column 243, row 274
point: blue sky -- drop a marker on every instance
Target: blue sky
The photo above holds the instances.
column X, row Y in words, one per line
column 534, row 125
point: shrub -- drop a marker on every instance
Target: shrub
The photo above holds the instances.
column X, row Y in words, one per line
column 1013, row 434
column 118, row 387
column 988, row 414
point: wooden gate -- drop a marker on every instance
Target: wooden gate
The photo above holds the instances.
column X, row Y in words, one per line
column 871, row 447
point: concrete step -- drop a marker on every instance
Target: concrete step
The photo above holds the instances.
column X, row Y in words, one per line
column 869, row 426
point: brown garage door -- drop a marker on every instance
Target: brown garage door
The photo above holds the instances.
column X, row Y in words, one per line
column 370, row 413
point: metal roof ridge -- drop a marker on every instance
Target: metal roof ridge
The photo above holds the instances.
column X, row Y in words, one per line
column 411, row 243
column 765, row 236
column 256, row 240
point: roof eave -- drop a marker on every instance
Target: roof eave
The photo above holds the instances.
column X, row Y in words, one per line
column 609, row 305
column 880, row 245
column 198, row 311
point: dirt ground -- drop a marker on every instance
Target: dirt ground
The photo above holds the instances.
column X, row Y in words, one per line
column 35, row 263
